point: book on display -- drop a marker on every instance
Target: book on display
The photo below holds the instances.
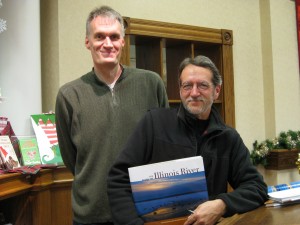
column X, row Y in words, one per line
column 44, row 127
column 9, row 159
column 29, row 150
column 168, row 189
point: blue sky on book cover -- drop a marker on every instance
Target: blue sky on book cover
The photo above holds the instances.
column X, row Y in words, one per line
column 169, row 196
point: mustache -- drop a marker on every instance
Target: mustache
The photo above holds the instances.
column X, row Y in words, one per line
column 198, row 99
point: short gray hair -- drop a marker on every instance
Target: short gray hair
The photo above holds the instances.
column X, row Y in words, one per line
column 201, row 61
column 105, row 11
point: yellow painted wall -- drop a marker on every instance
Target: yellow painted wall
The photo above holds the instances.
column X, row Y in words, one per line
column 266, row 72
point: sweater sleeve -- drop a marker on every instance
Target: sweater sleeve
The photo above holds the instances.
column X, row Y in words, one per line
column 250, row 191
column 63, row 127
column 162, row 94
column 135, row 153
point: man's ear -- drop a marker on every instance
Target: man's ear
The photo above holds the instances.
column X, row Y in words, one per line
column 217, row 92
column 87, row 43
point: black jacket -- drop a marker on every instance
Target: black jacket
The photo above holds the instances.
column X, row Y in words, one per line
column 167, row 134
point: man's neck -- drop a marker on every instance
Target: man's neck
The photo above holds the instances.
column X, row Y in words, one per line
column 107, row 74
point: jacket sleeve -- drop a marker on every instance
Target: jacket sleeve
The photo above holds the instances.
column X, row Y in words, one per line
column 135, row 153
column 63, row 113
column 250, row 191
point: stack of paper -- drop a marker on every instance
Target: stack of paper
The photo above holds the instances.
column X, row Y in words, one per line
column 284, row 197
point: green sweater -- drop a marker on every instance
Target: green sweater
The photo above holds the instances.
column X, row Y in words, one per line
column 93, row 123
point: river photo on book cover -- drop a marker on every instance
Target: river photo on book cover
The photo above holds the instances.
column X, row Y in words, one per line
column 169, row 197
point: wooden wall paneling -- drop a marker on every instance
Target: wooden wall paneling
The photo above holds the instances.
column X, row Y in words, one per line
column 61, row 197
column 13, row 184
column 148, row 54
column 125, row 56
column 61, row 205
column 39, row 199
column 17, row 210
column 175, row 53
column 228, row 86
column 41, row 207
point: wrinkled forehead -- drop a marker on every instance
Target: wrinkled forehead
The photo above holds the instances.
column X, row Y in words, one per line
column 195, row 73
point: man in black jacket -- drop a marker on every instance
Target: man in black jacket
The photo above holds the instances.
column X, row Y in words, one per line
column 196, row 128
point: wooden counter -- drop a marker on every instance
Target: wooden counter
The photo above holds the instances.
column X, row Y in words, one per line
column 40, row 199
column 45, row 199
column 287, row 215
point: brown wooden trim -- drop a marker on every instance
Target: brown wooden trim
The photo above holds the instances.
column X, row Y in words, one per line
column 14, row 184
column 227, row 37
column 228, row 86
column 172, row 30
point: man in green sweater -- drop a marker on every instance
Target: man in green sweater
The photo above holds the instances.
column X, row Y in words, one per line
column 97, row 112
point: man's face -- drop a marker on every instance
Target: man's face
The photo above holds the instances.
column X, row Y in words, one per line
column 197, row 91
column 105, row 41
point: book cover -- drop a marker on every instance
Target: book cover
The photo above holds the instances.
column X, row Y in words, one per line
column 280, row 187
column 168, row 189
column 45, row 131
column 29, row 150
column 7, row 130
column 7, row 153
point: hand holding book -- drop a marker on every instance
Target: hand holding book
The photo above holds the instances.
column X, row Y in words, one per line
column 168, row 189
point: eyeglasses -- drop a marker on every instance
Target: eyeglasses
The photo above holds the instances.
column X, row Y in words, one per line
column 202, row 86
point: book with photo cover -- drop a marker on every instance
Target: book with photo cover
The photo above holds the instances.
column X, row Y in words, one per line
column 29, row 150
column 45, row 131
column 9, row 159
column 168, row 189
